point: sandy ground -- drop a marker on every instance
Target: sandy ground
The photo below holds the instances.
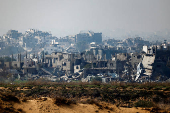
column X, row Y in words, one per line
column 46, row 105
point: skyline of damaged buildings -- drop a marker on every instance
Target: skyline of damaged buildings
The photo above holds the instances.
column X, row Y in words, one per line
column 84, row 57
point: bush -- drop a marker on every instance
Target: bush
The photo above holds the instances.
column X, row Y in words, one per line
column 142, row 103
column 24, row 99
column 63, row 101
column 92, row 101
column 97, row 80
column 10, row 98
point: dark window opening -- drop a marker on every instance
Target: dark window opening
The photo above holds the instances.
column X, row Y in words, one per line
column 138, row 56
column 64, row 64
column 111, row 64
column 158, row 65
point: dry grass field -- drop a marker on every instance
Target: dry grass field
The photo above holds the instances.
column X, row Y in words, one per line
column 43, row 97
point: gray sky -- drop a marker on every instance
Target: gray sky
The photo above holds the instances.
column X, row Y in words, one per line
column 64, row 17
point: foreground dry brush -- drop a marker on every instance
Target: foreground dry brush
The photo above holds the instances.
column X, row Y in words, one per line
column 150, row 95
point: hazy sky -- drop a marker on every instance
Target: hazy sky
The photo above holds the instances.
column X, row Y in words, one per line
column 64, row 17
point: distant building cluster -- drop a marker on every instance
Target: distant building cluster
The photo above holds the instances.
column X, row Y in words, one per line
column 89, row 37
column 83, row 57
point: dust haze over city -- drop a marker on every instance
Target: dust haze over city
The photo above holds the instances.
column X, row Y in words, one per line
column 81, row 53
column 62, row 18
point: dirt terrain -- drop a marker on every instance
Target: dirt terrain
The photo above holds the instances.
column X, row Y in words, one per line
column 88, row 98
column 46, row 105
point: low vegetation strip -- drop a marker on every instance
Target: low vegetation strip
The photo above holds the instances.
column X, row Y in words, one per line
column 119, row 94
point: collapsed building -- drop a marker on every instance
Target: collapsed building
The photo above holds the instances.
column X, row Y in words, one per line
column 152, row 64
column 89, row 37
column 62, row 61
